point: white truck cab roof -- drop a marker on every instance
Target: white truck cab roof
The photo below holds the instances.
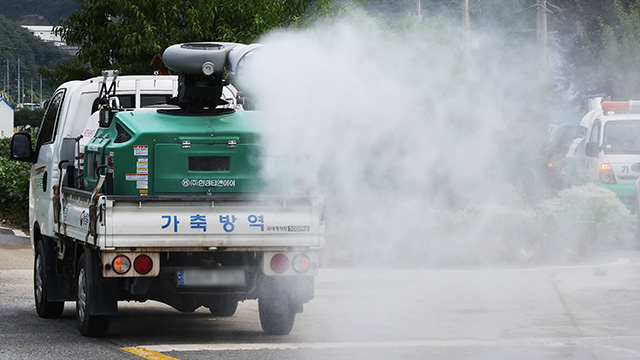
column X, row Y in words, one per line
column 133, row 92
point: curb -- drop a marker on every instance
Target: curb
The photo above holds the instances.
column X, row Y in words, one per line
column 16, row 232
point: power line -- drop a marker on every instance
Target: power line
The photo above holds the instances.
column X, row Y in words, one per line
column 30, row 51
column 475, row 4
column 509, row 15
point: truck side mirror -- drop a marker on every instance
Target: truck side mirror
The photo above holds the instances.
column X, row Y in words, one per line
column 592, row 149
column 21, row 149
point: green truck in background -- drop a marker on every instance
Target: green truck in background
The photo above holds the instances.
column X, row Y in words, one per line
column 609, row 153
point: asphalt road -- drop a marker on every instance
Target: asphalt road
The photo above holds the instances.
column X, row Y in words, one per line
column 583, row 310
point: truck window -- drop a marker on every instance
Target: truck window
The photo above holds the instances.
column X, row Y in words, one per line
column 621, row 137
column 128, row 101
column 50, row 120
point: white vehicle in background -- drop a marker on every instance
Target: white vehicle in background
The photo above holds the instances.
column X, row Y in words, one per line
column 609, row 154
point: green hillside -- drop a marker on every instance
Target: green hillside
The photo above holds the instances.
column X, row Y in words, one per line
column 18, row 43
column 37, row 12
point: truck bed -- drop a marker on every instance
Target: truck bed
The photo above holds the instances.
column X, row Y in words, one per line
column 175, row 223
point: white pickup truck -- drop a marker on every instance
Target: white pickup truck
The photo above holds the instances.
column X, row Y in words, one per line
column 132, row 199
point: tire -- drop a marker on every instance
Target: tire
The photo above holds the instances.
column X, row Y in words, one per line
column 226, row 307
column 89, row 325
column 276, row 317
column 44, row 307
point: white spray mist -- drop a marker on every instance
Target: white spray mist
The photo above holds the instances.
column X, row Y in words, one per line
column 422, row 156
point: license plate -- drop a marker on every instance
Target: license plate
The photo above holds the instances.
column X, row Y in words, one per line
column 210, row 278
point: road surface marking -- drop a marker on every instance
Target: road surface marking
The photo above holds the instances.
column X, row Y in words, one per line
column 298, row 346
column 621, row 349
column 550, row 342
column 148, row 354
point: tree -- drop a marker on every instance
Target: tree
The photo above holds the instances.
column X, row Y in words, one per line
column 600, row 44
column 25, row 116
column 620, row 52
column 126, row 35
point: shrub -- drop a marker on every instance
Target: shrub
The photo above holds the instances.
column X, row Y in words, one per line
column 14, row 186
column 585, row 218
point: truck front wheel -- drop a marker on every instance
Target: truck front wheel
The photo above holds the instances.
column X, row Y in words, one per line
column 45, row 308
column 89, row 325
column 276, row 316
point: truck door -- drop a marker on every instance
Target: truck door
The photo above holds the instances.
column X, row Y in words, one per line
column 593, row 163
column 43, row 170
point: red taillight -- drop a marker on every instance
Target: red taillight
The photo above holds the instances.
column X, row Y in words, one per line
column 110, row 161
column 143, row 264
column 121, row 264
column 279, row 263
column 301, row 263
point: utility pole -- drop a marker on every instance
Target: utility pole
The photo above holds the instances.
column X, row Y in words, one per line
column 7, row 81
column 18, row 102
column 466, row 28
column 419, row 11
column 542, row 28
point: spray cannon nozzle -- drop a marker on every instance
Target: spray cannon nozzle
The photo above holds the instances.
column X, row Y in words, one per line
column 207, row 58
column 201, row 67
column 198, row 58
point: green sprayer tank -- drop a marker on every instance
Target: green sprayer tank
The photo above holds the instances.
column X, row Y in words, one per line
column 156, row 152
column 199, row 144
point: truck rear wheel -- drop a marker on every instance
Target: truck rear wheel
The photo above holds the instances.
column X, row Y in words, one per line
column 89, row 325
column 45, row 308
column 276, row 317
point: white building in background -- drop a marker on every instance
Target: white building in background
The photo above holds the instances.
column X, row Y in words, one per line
column 6, row 119
column 47, row 34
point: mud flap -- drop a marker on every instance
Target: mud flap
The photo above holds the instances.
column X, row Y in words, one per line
column 104, row 292
column 294, row 290
column 61, row 285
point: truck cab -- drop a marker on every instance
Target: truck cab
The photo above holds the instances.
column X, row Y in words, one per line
column 65, row 120
column 609, row 154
